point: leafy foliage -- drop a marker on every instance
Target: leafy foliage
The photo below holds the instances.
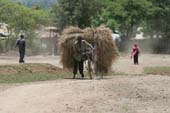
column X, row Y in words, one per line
column 21, row 19
column 124, row 15
column 76, row 12
column 158, row 22
column 40, row 3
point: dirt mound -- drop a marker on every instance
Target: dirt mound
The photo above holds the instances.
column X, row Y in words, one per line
column 29, row 68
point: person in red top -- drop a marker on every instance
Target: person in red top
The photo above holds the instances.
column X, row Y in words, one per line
column 134, row 53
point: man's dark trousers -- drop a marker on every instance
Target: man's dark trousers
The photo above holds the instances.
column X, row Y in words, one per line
column 22, row 54
column 78, row 65
column 136, row 59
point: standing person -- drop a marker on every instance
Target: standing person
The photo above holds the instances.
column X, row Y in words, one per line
column 21, row 46
column 135, row 53
column 80, row 48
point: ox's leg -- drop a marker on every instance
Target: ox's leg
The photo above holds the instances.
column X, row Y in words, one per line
column 101, row 75
column 90, row 68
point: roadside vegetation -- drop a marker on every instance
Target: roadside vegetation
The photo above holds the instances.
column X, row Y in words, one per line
column 31, row 72
column 158, row 70
column 38, row 72
column 124, row 16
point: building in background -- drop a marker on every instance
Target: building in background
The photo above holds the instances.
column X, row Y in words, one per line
column 3, row 30
column 117, row 39
column 48, row 39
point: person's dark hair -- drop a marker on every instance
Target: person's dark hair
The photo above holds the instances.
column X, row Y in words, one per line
column 79, row 38
column 135, row 45
column 22, row 36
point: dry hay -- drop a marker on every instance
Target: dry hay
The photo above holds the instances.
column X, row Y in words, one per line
column 66, row 43
column 106, row 50
column 72, row 30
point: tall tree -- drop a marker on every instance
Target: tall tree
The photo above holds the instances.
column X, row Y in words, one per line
column 123, row 15
column 76, row 12
column 21, row 19
column 158, row 22
column 136, row 11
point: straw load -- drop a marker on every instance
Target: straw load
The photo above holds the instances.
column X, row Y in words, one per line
column 105, row 54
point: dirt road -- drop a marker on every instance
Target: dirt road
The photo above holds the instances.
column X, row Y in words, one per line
column 9, row 60
column 117, row 94
column 125, row 64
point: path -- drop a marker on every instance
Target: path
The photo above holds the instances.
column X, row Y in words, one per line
column 119, row 94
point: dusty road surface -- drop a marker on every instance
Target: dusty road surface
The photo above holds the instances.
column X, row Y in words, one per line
column 125, row 64
column 119, row 94
column 9, row 60
column 116, row 94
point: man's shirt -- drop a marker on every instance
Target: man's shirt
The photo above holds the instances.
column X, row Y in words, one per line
column 21, row 44
column 80, row 49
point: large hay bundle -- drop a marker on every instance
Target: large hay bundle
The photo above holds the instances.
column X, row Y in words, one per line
column 106, row 50
column 66, row 43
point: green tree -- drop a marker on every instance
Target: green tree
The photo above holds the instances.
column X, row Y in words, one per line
column 136, row 12
column 109, row 15
column 124, row 15
column 76, row 12
column 21, row 19
column 158, row 22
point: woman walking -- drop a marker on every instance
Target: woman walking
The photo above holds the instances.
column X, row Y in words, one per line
column 135, row 53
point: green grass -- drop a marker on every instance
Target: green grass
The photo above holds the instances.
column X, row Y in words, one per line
column 31, row 72
column 158, row 70
column 28, row 76
column 32, row 77
column 37, row 72
column 118, row 73
column 125, row 74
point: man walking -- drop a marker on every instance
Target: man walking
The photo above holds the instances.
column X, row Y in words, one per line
column 21, row 46
column 80, row 48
